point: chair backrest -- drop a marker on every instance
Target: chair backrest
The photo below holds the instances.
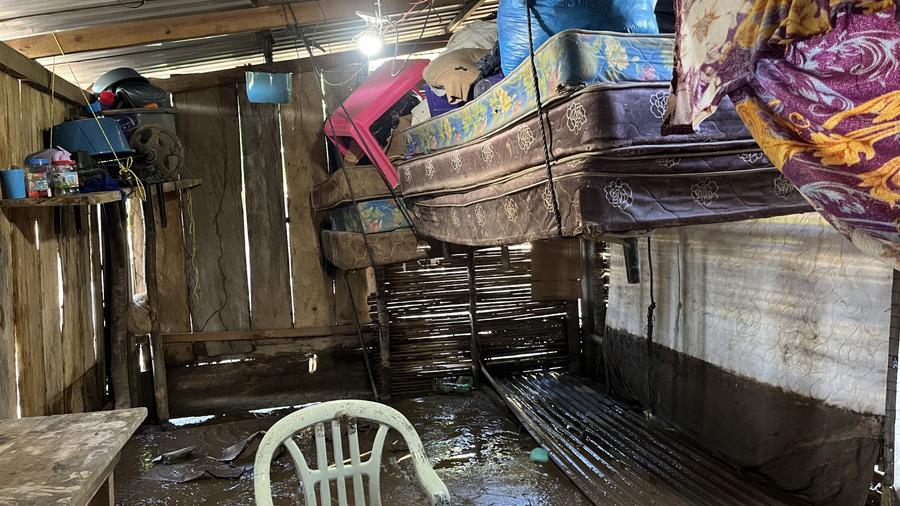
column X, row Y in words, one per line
column 315, row 416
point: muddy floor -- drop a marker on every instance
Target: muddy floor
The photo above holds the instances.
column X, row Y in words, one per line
column 475, row 448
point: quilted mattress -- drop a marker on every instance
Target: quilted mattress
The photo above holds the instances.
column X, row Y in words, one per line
column 379, row 215
column 568, row 61
column 614, row 120
column 365, row 180
column 602, row 195
column 347, row 250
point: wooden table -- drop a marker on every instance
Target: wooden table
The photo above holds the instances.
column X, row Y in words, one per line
column 63, row 459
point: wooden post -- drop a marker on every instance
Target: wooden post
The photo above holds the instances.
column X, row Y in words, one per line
column 118, row 299
column 573, row 335
column 7, row 331
column 384, row 337
column 157, row 360
column 588, row 323
column 890, row 398
column 473, row 320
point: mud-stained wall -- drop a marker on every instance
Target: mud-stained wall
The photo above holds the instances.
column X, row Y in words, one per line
column 771, row 348
column 785, row 301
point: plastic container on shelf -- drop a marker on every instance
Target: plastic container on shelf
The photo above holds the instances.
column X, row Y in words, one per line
column 37, row 178
column 13, row 183
column 65, row 178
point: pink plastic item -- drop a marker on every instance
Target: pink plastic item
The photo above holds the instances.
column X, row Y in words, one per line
column 365, row 105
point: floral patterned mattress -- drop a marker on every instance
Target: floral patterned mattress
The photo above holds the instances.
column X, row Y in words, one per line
column 380, row 215
column 619, row 120
column 364, row 180
column 347, row 250
column 607, row 195
column 567, row 62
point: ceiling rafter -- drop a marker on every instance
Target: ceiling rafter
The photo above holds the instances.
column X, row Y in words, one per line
column 198, row 26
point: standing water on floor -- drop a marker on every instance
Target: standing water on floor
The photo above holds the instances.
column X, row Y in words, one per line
column 475, row 448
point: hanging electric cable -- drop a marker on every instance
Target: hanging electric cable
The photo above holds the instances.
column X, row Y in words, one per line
column 540, row 111
column 298, row 34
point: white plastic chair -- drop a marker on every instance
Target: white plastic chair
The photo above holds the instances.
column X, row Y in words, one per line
column 387, row 418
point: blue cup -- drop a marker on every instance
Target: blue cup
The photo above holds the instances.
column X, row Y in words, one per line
column 13, row 183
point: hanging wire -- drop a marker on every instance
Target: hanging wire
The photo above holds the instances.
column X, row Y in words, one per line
column 299, row 36
column 320, row 78
column 537, row 97
column 415, row 45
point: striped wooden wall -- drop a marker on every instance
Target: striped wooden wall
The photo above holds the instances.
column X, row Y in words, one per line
column 51, row 316
column 267, row 276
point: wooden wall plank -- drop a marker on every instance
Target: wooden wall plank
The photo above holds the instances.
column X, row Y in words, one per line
column 208, row 123
column 8, row 402
column 50, row 312
column 13, row 123
column 343, row 307
column 97, row 283
column 83, row 278
column 9, row 96
column 72, row 338
column 136, row 235
column 26, row 283
column 334, row 95
column 270, row 292
column 306, row 166
column 174, row 313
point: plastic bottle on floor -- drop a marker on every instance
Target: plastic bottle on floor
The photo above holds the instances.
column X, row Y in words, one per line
column 460, row 385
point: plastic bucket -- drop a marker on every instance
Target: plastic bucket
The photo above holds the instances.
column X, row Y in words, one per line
column 85, row 135
column 268, row 88
column 13, row 183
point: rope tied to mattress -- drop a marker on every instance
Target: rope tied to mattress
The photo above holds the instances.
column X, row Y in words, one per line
column 651, row 321
column 300, row 36
column 540, row 111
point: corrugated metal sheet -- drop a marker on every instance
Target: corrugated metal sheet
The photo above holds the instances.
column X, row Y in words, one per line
column 196, row 55
column 21, row 18
column 616, row 456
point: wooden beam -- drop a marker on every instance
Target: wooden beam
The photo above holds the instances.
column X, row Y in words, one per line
column 473, row 321
column 34, row 74
column 468, row 9
column 196, row 26
column 384, row 338
column 187, row 82
column 251, row 335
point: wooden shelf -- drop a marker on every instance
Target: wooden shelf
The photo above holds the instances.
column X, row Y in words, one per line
column 90, row 199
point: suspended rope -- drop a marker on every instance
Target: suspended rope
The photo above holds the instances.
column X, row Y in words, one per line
column 651, row 321
column 540, row 111
column 299, row 36
column 124, row 169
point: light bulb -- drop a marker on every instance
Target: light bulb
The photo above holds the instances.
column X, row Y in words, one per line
column 370, row 42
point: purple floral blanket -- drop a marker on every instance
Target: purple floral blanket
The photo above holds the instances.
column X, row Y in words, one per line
column 818, row 84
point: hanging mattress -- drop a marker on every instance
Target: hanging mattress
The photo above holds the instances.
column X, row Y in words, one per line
column 347, row 250
column 365, row 180
column 599, row 195
column 565, row 63
column 380, row 215
column 614, row 120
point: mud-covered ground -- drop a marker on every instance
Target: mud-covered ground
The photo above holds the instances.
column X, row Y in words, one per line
column 476, row 449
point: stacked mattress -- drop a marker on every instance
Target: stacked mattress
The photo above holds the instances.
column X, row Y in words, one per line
column 377, row 214
column 476, row 175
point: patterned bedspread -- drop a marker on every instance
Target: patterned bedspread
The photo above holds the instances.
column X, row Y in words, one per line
column 569, row 60
column 818, row 84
